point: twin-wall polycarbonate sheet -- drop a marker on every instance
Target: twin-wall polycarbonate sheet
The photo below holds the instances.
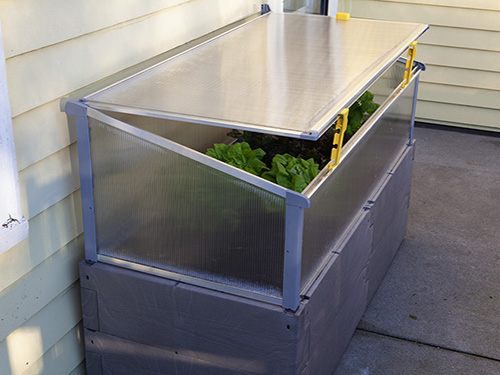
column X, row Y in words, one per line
column 343, row 194
column 156, row 207
column 280, row 73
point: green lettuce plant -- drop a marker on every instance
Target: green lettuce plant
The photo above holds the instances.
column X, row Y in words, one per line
column 286, row 170
column 319, row 150
column 240, row 155
column 291, row 172
column 359, row 112
column 294, row 162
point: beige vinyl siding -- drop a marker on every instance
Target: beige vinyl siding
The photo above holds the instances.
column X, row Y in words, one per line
column 462, row 52
column 54, row 21
column 49, row 120
column 28, row 343
column 55, row 48
column 50, row 231
column 40, row 286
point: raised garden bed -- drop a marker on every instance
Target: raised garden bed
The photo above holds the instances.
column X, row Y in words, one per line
column 157, row 208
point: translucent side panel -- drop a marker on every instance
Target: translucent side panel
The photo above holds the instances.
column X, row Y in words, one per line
column 195, row 136
column 342, row 196
column 388, row 82
column 161, row 209
column 302, row 6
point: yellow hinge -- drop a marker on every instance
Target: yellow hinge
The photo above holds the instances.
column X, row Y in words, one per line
column 343, row 16
column 412, row 50
column 338, row 138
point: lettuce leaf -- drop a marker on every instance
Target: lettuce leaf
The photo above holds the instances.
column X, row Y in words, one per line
column 240, row 155
column 291, row 172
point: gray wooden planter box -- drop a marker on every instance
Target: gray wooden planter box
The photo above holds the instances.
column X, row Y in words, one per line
column 196, row 267
column 137, row 323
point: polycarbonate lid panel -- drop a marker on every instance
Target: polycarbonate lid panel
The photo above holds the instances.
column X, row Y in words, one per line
column 281, row 73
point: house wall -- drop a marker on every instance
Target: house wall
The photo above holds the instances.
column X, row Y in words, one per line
column 461, row 86
column 53, row 49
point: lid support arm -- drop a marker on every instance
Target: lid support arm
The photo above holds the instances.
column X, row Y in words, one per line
column 412, row 51
column 338, row 138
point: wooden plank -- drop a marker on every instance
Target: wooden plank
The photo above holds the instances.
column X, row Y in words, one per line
column 116, row 355
column 28, row 343
column 337, row 299
column 433, row 15
column 194, row 322
column 462, row 38
column 461, row 77
column 31, row 293
column 476, row 4
column 30, row 25
column 433, row 92
column 459, row 57
column 41, row 132
column 427, row 111
column 64, row 357
column 45, row 183
column 35, row 78
column 49, row 231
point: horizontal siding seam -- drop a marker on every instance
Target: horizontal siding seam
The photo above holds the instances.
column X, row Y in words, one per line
column 102, row 30
column 36, row 311
column 75, row 143
column 453, row 85
column 431, row 25
column 80, row 369
column 179, row 38
column 52, row 205
column 458, row 48
column 461, row 67
column 464, row 28
column 73, row 288
column 456, row 104
column 78, row 327
column 73, row 234
column 438, row 5
column 429, row 120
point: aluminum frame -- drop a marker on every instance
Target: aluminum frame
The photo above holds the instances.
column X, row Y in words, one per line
column 346, row 83
column 295, row 202
column 367, row 126
column 79, row 111
column 415, row 76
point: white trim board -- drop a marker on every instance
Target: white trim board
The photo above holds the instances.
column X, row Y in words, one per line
column 13, row 227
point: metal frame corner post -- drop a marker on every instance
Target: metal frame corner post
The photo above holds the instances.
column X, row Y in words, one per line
column 292, row 270
column 421, row 67
column 79, row 111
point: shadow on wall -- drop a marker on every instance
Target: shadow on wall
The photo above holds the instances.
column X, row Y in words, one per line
column 40, row 299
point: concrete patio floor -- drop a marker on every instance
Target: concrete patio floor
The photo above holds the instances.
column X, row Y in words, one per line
column 438, row 309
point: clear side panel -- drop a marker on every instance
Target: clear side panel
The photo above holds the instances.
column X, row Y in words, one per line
column 195, row 136
column 384, row 86
column 346, row 190
column 161, row 209
column 302, row 6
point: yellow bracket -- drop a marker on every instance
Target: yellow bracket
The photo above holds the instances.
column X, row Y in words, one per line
column 338, row 138
column 343, row 16
column 412, row 50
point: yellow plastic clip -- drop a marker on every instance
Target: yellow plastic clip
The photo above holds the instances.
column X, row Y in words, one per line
column 343, row 16
column 338, row 138
column 412, row 50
